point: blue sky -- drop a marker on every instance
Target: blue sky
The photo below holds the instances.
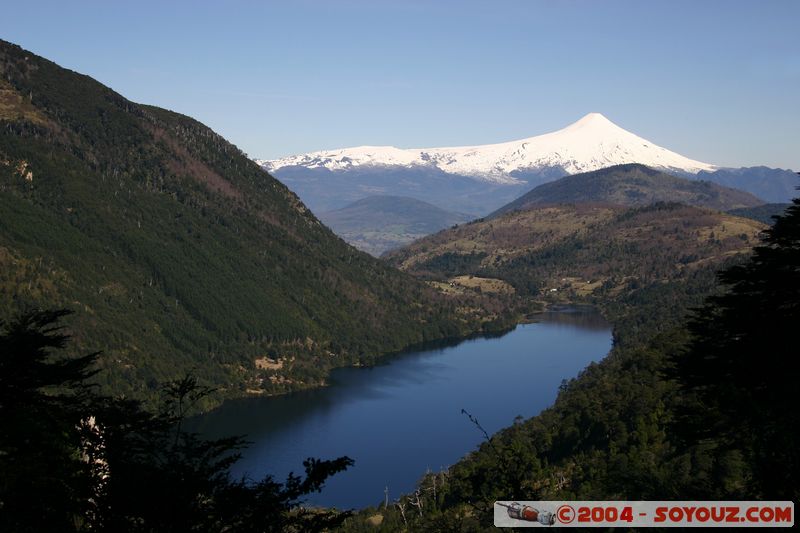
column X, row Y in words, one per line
column 717, row 81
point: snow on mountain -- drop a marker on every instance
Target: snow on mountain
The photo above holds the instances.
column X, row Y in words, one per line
column 591, row 143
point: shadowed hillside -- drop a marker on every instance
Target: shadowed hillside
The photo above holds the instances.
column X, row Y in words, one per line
column 632, row 185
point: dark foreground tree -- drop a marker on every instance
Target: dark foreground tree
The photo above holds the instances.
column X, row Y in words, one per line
column 741, row 366
column 71, row 460
column 44, row 484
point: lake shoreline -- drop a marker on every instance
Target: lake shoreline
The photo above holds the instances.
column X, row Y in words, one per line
column 412, row 400
column 387, row 357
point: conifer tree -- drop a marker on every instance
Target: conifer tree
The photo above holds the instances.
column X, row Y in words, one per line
column 741, row 368
column 73, row 460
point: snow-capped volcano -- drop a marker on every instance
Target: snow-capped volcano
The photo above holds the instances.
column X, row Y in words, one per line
column 591, row 143
column 480, row 179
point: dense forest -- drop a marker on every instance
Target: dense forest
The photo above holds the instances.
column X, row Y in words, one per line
column 179, row 254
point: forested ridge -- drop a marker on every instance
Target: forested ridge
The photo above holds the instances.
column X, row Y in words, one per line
column 595, row 253
column 179, row 254
column 630, row 185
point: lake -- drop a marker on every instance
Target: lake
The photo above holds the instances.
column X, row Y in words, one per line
column 398, row 419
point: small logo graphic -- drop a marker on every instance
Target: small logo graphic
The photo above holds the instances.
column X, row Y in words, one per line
column 526, row 513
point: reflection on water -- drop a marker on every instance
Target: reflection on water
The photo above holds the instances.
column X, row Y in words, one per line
column 582, row 316
column 404, row 416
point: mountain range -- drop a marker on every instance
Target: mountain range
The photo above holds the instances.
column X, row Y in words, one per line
column 590, row 143
column 480, row 179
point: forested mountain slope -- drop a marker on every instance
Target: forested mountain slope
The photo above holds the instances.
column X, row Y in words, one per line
column 585, row 251
column 177, row 252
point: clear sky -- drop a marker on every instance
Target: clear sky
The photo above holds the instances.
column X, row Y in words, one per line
column 717, row 81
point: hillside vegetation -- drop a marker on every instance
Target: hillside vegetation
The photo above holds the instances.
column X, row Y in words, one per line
column 178, row 253
column 587, row 252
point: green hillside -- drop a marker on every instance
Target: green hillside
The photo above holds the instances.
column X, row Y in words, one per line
column 379, row 223
column 632, row 185
column 582, row 252
column 177, row 252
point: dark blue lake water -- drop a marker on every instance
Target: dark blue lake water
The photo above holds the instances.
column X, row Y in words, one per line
column 398, row 419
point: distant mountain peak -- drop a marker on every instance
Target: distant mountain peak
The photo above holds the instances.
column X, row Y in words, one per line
column 591, row 143
column 591, row 120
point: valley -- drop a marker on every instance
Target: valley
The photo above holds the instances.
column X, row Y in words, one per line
column 376, row 224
